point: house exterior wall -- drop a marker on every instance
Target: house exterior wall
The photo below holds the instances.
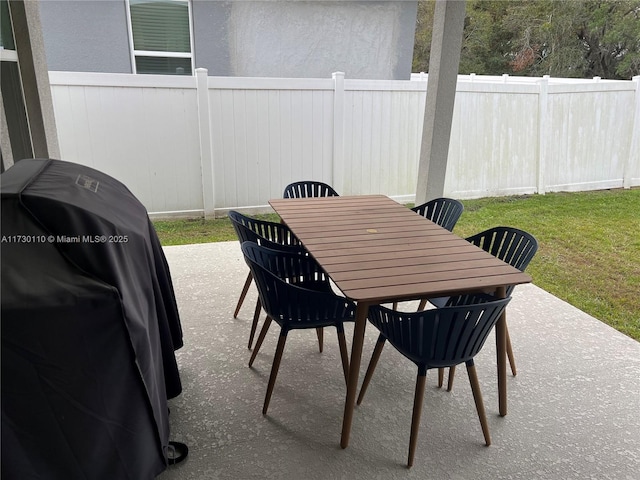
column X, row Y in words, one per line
column 368, row 40
column 305, row 39
column 210, row 36
column 86, row 35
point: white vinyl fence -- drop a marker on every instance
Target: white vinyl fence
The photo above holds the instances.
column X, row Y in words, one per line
column 205, row 145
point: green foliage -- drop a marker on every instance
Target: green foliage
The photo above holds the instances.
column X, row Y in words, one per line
column 486, row 44
column 422, row 42
column 543, row 37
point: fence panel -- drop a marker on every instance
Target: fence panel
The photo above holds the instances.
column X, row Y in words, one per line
column 383, row 132
column 265, row 137
column 493, row 148
column 140, row 130
column 589, row 144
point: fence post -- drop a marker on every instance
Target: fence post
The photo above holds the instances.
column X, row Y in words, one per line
column 337, row 167
column 543, row 133
column 634, row 155
column 206, row 151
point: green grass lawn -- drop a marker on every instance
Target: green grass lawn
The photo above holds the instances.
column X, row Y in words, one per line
column 589, row 252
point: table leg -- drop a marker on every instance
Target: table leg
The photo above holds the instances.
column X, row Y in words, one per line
column 501, row 352
column 354, row 370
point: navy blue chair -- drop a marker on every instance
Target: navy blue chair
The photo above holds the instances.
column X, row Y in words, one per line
column 281, row 278
column 442, row 211
column 309, row 188
column 511, row 245
column 437, row 338
column 272, row 235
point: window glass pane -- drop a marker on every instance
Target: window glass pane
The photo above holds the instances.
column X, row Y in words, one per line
column 160, row 25
column 6, row 33
column 163, row 65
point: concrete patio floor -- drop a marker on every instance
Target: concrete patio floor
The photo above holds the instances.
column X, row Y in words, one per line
column 574, row 407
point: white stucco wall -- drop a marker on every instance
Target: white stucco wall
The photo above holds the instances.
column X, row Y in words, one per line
column 370, row 40
column 86, row 35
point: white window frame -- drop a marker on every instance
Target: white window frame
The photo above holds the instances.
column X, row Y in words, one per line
column 8, row 55
column 153, row 53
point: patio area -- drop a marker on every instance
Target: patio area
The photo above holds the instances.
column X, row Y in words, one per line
column 573, row 407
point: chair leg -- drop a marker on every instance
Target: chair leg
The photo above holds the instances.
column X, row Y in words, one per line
column 274, row 370
column 245, row 289
column 452, row 372
column 440, row 377
column 422, row 305
column 256, row 317
column 417, row 412
column 372, row 366
column 263, row 333
column 395, row 306
column 477, row 397
column 320, row 333
column 512, row 360
column 344, row 355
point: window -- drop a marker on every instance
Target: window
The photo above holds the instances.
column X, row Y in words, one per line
column 161, row 36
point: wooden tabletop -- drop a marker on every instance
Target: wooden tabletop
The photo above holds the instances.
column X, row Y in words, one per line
column 376, row 250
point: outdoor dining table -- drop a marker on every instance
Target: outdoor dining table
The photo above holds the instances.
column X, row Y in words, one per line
column 378, row 251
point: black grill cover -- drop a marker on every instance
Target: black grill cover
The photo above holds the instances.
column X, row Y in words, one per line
column 89, row 328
